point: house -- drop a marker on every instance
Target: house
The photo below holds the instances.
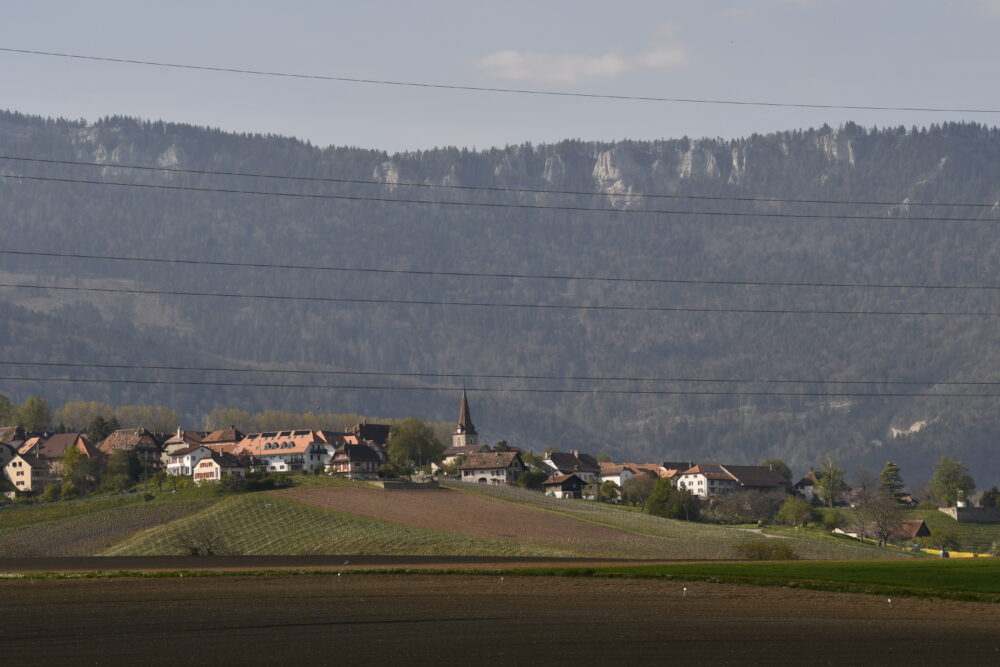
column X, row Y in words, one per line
column 284, row 451
column 134, row 440
column 707, row 480
column 806, row 487
column 180, row 440
column 573, row 462
column 453, row 454
column 619, row 473
column 217, row 465
column 492, row 468
column 911, row 529
column 355, row 462
column 371, row 434
column 28, row 474
column 758, row 478
column 54, row 448
column 6, row 454
column 11, row 434
column 563, row 486
column 183, row 461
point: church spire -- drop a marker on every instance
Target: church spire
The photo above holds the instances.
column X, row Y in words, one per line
column 464, row 419
column 465, row 433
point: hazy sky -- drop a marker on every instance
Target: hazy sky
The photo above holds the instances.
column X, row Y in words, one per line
column 891, row 53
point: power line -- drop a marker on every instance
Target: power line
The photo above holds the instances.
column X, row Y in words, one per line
column 543, row 207
column 480, row 274
column 485, row 188
column 653, row 392
column 485, row 376
column 491, row 89
column 478, row 304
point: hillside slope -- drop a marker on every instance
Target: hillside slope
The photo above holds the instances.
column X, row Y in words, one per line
column 886, row 172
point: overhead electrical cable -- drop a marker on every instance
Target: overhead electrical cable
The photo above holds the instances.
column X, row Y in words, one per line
column 498, row 205
column 486, row 304
column 486, row 188
column 480, row 274
column 489, row 376
column 516, row 390
column 493, row 89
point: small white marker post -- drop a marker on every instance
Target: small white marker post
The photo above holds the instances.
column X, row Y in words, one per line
column 685, row 591
column 890, row 602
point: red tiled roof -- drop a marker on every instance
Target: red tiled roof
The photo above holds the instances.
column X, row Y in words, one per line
column 127, row 439
column 55, row 446
column 223, row 435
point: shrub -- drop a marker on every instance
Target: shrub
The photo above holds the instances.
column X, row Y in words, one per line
column 51, row 493
column 833, row 519
column 795, row 512
column 766, row 549
column 945, row 538
column 69, row 490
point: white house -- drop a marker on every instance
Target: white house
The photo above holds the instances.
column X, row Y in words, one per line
column 182, row 462
column 492, row 467
column 617, row 473
column 212, row 468
column 284, row 451
column 706, row 480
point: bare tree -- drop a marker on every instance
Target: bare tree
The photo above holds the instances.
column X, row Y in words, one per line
column 879, row 515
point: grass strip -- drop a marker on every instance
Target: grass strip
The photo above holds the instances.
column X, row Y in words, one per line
column 969, row 581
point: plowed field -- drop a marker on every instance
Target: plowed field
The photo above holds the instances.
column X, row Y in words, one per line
column 460, row 620
column 467, row 514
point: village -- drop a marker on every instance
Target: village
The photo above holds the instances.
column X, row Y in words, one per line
column 62, row 466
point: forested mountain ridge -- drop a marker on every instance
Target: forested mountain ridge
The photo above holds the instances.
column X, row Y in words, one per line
column 896, row 167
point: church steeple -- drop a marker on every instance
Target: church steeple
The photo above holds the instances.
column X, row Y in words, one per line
column 465, row 433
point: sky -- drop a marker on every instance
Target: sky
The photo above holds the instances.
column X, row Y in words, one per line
column 904, row 53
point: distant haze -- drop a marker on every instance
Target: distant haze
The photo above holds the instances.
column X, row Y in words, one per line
column 893, row 53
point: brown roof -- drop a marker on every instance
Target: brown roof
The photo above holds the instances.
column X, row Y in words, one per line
column 187, row 450
column 608, row 468
column 55, row 446
column 911, row 528
column 561, row 480
column 226, row 460
column 186, row 437
column 377, row 433
column 571, row 462
column 465, row 451
column 756, row 476
column 709, row 471
column 487, row 460
column 10, row 433
column 223, row 435
column 127, row 439
column 357, row 453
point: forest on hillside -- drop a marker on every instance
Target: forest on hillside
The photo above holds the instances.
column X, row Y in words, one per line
column 733, row 231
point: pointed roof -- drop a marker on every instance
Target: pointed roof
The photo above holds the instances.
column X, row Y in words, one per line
column 464, row 418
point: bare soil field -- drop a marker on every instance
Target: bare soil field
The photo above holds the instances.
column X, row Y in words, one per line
column 467, row 514
column 424, row 619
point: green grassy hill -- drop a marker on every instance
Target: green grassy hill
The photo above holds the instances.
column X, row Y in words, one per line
column 267, row 524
